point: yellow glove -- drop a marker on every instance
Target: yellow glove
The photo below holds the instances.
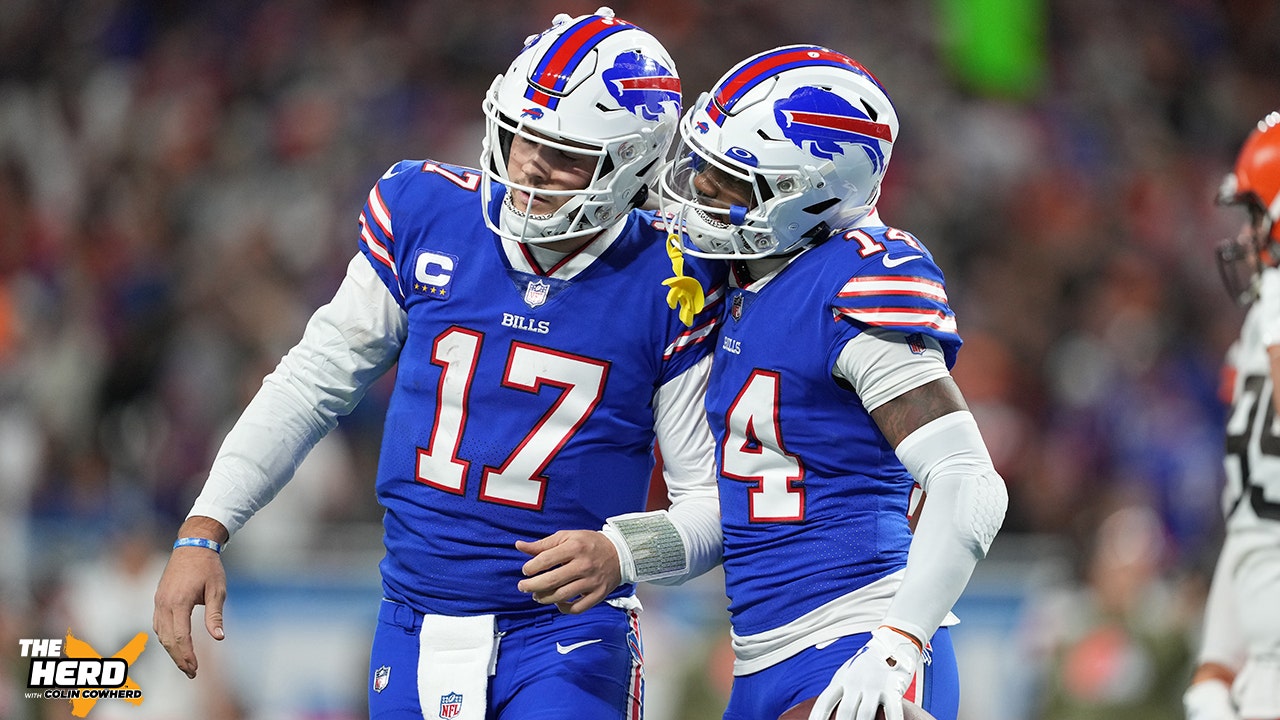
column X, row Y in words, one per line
column 684, row 290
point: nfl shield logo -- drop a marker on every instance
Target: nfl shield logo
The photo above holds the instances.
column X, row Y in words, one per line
column 381, row 677
column 535, row 293
column 450, row 705
column 735, row 309
column 915, row 341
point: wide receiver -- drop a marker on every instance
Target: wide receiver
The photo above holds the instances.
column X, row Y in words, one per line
column 1238, row 675
column 830, row 397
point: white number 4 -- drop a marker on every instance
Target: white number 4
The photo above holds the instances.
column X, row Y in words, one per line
column 752, row 452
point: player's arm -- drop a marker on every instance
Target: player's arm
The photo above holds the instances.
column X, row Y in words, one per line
column 1222, row 649
column 347, row 344
column 920, row 410
column 686, row 540
column 575, row 569
column 1269, row 323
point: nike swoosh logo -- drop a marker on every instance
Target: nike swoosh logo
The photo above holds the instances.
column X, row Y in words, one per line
column 892, row 262
column 566, row 649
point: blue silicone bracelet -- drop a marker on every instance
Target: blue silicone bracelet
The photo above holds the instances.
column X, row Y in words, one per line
column 198, row 542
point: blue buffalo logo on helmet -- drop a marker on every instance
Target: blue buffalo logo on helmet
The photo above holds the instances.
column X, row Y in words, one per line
column 642, row 85
column 532, row 112
column 822, row 123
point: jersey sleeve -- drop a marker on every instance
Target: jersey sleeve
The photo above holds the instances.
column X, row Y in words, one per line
column 909, row 298
column 377, row 235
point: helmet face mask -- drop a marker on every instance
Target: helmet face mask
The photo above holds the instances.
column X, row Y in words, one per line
column 1242, row 258
column 1253, row 183
column 593, row 86
column 808, row 130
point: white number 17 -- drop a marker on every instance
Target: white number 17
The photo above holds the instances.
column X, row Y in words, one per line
column 519, row 481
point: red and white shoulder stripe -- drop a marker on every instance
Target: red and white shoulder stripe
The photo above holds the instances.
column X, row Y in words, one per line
column 899, row 301
column 376, row 215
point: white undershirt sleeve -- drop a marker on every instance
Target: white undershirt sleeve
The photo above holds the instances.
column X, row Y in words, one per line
column 674, row 545
column 879, row 365
column 347, row 345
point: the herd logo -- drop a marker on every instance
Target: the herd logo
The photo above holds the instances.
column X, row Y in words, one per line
column 532, row 112
column 70, row 669
column 822, row 123
column 643, row 86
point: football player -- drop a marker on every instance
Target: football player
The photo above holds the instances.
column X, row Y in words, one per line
column 538, row 363
column 1238, row 675
column 830, row 397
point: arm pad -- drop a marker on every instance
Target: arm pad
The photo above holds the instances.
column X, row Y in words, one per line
column 647, row 542
column 966, row 504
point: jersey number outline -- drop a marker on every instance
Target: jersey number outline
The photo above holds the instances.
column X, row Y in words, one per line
column 752, row 451
column 1248, row 411
column 467, row 180
column 519, row 481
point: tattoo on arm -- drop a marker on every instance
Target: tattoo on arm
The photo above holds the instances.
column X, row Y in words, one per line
column 901, row 416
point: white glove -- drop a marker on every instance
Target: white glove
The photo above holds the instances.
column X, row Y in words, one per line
column 1209, row 700
column 1269, row 305
column 877, row 675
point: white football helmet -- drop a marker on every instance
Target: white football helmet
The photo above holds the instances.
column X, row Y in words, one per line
column 593, row 85
column 806, row 130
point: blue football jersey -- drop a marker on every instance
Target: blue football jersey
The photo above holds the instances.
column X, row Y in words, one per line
column 812, row 496
column 523, row 401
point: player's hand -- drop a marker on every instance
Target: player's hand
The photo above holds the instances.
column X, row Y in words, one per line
column 193, row 576
column 1209, row 700
column 876, row 676
column 574, row 569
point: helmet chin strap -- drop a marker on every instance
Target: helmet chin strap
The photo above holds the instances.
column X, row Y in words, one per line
column 519, row 223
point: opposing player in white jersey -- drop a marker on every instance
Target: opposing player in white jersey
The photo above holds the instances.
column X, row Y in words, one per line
column 830, row 397
column 538, row 363
column 1238, row 675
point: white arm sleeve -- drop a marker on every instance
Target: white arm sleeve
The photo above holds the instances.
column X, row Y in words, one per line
column 684, row 541
column 965, row 506
column 1223, row 643
column 347, row 344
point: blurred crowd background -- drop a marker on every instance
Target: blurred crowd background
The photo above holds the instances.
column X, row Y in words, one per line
column 179, row 188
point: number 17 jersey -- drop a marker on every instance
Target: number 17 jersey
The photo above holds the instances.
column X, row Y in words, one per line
column 523, row 398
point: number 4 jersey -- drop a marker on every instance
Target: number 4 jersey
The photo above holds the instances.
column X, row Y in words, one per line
column 813, row 499
column 524, row 398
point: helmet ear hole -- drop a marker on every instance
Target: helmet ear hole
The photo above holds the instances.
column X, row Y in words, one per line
column 640, row 197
